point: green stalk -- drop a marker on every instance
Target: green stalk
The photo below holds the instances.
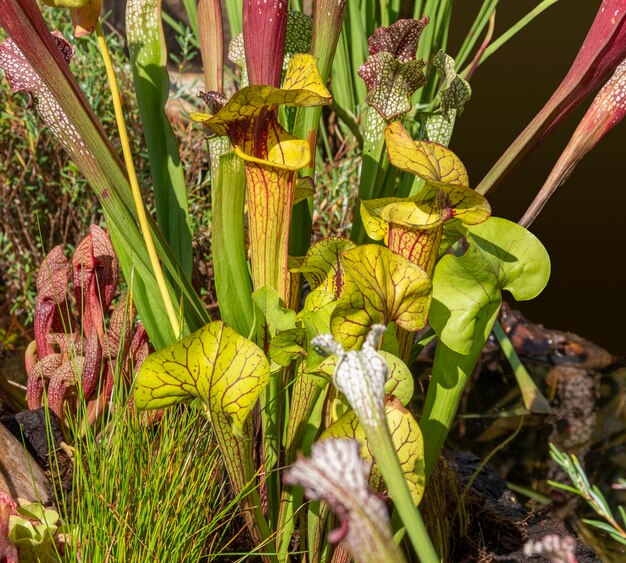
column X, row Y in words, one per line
column 371, row 15
column 317, row 518
column 148, row 56
column 272, row 407
column 327, row 23
column 534, row 401
column 395, row 6
column 433, row 38
column 290, row 498
column 427, row 39
column 385, row 19
column 373, row 169
column 418, row 9
column 134, row 184
column 466, row 296
column 343, row 77
column 300, row 228
column 483, row 46
column 444, row 17
column 233, row 12
column 230, row 264
column 381, row 445
column 357, row 47
column 238, row 459
column 511, row 32
column 191, row 9
column 228, row 189
column 475, row 31
column 451, row 371
column 306, row 411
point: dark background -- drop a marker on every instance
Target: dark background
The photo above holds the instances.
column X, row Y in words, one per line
column 583, row 225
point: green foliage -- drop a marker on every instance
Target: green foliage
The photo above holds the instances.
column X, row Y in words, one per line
column 592, row 494
column 466, row 295
column 142, row 491
column 144, row 33
column 381, row 287
column 264, row 156
column 39, row 535
column 214, row 364
column 232, row 279
column 466, row 300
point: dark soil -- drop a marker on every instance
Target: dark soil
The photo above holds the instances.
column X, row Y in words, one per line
column 29, row 427
column 498, row 526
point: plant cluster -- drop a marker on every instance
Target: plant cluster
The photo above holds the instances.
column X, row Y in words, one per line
column 312, row 350
column 46, row 201
column 81, row 354
column 31, row 532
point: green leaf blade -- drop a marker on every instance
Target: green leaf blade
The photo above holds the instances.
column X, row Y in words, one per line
column 148, row 56
column 467, row 288
column 215, row 364
column 466, row 300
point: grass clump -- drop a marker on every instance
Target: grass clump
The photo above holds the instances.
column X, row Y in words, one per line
column 144, row 491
